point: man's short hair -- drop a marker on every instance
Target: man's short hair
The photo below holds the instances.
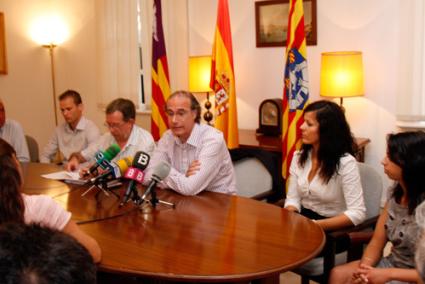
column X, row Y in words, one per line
column 194, row 104
column 37, row 255
column 126, row 107
column 71, row 94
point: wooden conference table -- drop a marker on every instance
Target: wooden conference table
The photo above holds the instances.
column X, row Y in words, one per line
column 206, row 238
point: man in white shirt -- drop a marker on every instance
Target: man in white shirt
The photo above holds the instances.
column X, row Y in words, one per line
column 197, row 153
column 12, row 132
column 120, row 119
column 75, row 134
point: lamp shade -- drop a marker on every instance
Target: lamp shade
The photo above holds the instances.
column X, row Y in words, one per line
column 199, row 74
column 49, row 30
column 341, row 74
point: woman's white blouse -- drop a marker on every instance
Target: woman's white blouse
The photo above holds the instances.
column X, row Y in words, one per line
column 343, row 193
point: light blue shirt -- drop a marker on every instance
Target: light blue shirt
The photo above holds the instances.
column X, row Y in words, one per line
column 13, row 134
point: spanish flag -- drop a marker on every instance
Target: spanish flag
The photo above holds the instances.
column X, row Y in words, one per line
column 160, row 78
column 223, row 78
column 295, row 90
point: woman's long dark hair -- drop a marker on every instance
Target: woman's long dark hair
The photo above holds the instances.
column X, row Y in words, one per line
column 407, row 150
column 11, row 202
column 335, row 138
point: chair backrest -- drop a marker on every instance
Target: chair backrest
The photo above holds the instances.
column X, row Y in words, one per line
column 252, row 178
column 32, row 148
column 318, row 269
column 372, row 189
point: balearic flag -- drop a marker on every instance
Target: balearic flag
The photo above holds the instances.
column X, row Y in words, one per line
column 160, row 77
column 223, row 78
column 295, row 89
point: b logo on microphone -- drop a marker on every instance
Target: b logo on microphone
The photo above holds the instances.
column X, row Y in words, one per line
column 134, row 174
column 143, row 159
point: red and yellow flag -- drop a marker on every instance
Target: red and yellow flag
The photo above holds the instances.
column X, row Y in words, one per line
column 160, row 78
column 295, row 90
column 223, row 78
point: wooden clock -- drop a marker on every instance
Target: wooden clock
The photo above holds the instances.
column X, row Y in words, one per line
column 270, row 117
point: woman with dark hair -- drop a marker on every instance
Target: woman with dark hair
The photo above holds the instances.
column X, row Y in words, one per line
column 16, row 207
column 324, row 182
column 405, row 164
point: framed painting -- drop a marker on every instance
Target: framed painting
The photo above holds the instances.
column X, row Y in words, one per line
column 3, row 62
column 271, row 22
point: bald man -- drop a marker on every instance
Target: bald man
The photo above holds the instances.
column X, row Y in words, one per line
column 12, row 132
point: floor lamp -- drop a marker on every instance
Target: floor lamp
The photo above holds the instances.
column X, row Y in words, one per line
column 50, row 31
column 51, row 48
column 199, row 81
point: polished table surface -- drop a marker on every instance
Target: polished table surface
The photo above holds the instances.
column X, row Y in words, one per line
column 209, row 238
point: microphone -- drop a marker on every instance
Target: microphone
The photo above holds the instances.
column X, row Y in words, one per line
column 116, row 170
column 135, row 173
column 103, row 158
column 161, row 171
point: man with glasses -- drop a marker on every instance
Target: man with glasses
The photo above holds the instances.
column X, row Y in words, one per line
column 75, row 134
column 197, row 153
column 120, row 119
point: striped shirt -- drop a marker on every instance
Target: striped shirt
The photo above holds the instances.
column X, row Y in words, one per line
column 205, row 144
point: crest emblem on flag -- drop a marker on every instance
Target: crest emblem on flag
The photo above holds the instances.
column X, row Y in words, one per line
column 296, row 80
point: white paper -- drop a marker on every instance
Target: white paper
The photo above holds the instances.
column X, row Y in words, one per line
column 70, row 177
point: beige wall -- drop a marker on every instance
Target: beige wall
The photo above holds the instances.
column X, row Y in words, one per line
column 372, row 27
column 27, row 89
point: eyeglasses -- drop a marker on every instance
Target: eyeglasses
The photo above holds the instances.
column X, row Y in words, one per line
column 179, row 114
column 114, row 125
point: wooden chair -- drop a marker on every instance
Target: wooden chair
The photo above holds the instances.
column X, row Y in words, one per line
column 319, row 268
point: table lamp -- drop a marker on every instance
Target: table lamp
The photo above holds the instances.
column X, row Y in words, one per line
column 199, row 80
column 341, row 75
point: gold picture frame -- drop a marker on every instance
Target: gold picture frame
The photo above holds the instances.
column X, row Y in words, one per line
column 271, row 22
column 3, row 59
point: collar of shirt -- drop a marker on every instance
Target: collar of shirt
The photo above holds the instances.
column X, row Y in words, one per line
column 132, row 140
column 193, row 138
column 80, row 126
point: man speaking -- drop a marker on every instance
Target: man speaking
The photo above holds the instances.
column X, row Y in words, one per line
column 197, row 153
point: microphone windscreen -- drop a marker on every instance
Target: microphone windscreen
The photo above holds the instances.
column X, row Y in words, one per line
column 124, row 163
column 111, row 152
column 141, row 160
column 161, row 171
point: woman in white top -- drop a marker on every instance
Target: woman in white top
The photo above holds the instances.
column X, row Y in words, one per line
column 41, row 209
column 324, row 182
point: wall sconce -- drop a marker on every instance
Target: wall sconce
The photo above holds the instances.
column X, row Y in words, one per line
column 341, row 75
column 49, row 32
column 199, row 80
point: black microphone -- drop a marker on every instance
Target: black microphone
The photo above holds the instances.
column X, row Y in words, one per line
column 161, row 171
column 103, row 158
column 116, row 170
column 135, row 173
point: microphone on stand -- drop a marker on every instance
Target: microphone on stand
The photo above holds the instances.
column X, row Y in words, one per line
column 135, row 173
column 115, row 171
column 103, row 159
column 161, row 171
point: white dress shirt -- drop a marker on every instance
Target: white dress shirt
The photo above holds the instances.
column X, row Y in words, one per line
column 205, row 144
column 343, row 193
column 139, row 140
column 13, row 134
column 70, row 141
